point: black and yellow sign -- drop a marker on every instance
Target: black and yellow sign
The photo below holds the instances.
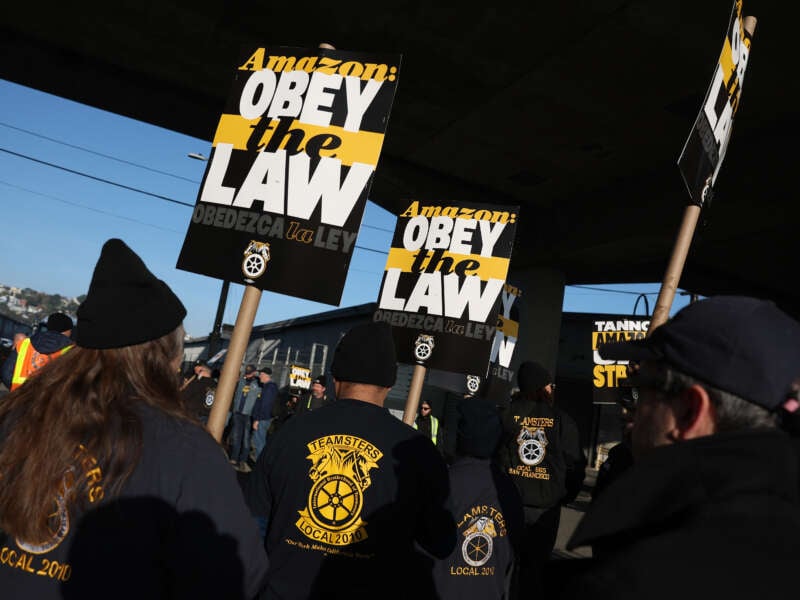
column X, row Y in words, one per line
column 704, row 151
column 500, row 377
column 299, row 377
column 608, row 375
column 446, row 269
column 293, row 159
column 340, row 466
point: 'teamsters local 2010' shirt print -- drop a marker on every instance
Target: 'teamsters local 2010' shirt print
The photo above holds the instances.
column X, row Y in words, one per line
column 43, row 559
column 340, row 467
column 478, row 529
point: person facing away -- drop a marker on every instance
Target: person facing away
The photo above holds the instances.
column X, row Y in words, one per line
column 33, row 352
column 244, row 401
column 109, row 485
column 348, row 490
column 710, row 507
column 541, row 452
column 487, row 509
column 262, row 411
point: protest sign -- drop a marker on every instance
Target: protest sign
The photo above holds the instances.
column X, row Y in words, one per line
column 293, row 159
column 499, row 380
column 704, row 150
column 610, row 375
column 495, row 381
column 702, row 154
column 445, row 271
column 299, row 377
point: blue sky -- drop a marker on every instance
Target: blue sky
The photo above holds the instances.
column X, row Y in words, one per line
column 66, row 173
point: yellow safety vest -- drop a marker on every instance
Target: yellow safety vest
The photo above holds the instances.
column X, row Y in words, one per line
column 29, row 360
column 434, row 428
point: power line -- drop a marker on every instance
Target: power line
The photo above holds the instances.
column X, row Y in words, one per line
column 95, row 178
column 587, row 287
column 131, row 188
column 127, row 187
column 87, row 207
column 108, row 156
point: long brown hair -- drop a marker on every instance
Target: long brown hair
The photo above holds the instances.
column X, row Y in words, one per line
column 81, row 404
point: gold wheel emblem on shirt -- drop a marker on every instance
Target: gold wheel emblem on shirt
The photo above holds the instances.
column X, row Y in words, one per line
column 335, row 502
column 340, row 466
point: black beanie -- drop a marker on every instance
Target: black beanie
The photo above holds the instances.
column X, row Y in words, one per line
column 366, row 354
column 59, row 322
column 479, row 428
column 532, row 376
column 126, row 304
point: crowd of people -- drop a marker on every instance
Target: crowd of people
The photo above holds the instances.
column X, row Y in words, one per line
column 112, row 486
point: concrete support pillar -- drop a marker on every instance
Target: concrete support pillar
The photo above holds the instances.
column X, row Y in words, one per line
column 539, row 315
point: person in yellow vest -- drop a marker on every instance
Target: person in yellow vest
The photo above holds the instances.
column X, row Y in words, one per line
column 34, row 352
column 428, row 424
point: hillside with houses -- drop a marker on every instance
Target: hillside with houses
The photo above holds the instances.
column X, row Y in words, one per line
column 32, row 306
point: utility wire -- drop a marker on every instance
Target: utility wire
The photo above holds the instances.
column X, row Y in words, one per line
column 100, row 179
column 133, row 189
column 587, row 287
column 103, row 212
column 108, row 156
column 128, row 162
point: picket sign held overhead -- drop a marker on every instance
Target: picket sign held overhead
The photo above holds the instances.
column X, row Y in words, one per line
column 445, row 271
column 493, row 383
column 704, row 151
column 293, row 159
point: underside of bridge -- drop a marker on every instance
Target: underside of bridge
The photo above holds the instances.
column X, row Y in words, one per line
column 576, row 111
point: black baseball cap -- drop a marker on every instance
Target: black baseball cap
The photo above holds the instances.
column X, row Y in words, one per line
column 745, row 346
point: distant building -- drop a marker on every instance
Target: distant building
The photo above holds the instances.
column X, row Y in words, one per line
column 309, row 341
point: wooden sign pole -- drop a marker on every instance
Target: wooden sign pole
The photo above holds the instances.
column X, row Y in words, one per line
column 236, row 349
column 675, row 267
column 233, row 361
column 680, row 251
column 414, row 392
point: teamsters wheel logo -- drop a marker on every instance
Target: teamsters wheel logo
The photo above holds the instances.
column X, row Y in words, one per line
column 256, row 257
column 335, row 502
column 476, row 550
column 58, row 524
column 473, row 384
column 423, row 347
column 532, row 443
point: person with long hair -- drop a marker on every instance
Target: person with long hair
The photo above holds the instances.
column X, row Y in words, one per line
column 108, row 486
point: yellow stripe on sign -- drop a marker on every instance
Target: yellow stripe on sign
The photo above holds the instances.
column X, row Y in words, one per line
column 487, row 267
column 726, row 61
column 356, row 146
column 612, row 337
column 507, row 327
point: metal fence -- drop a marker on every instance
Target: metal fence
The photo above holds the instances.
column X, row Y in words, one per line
column 316, row 358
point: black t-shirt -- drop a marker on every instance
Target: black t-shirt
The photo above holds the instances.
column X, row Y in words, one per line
column 348, row 490
column 488, row 513
column 532, row 452
column 179, row 528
